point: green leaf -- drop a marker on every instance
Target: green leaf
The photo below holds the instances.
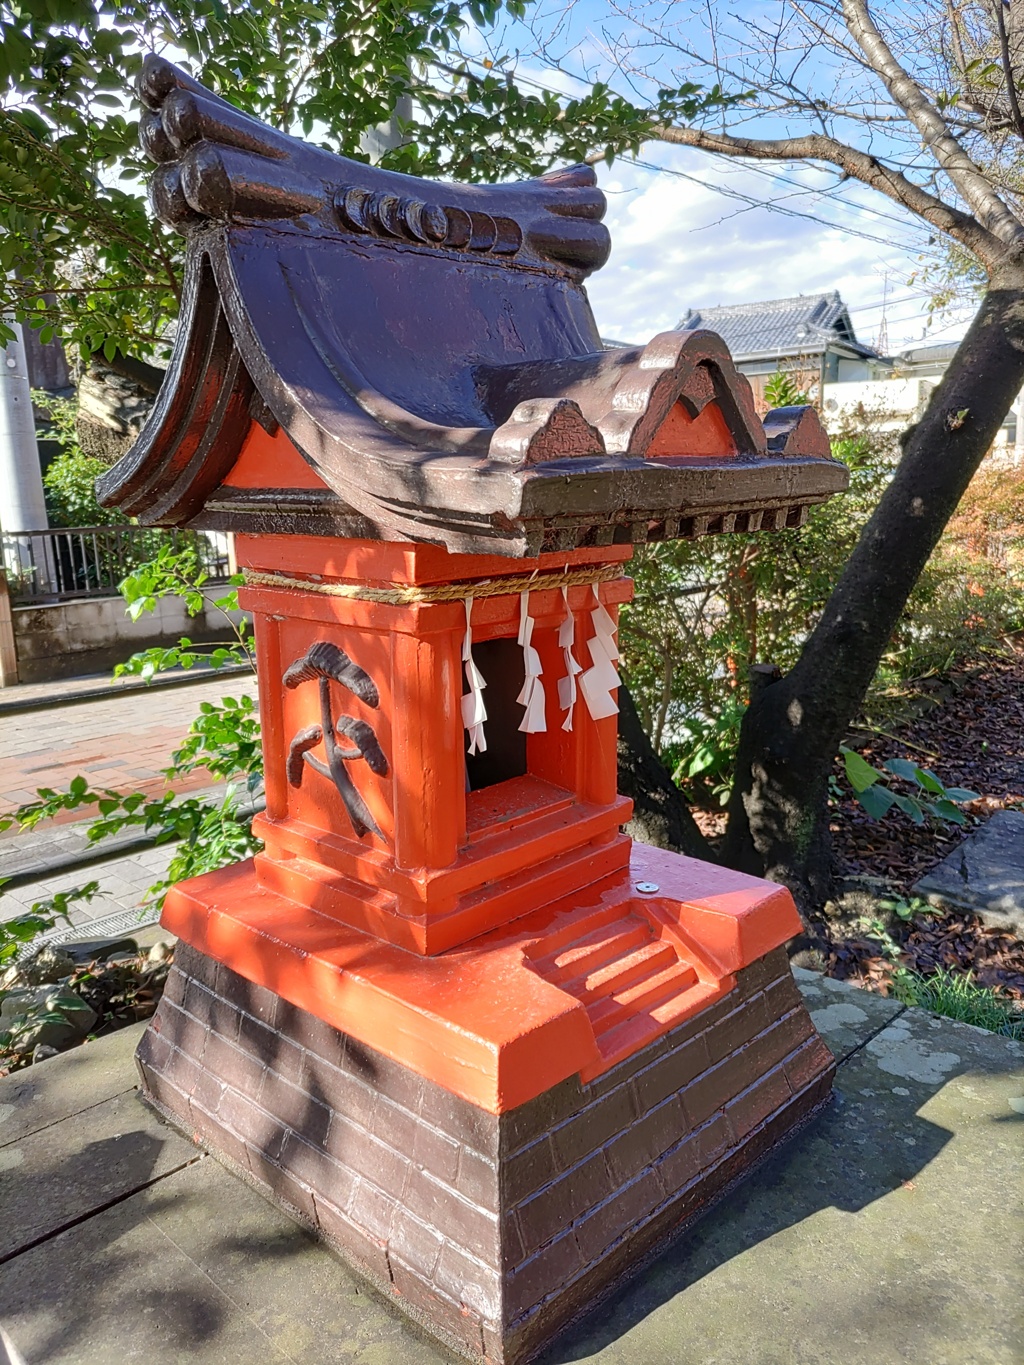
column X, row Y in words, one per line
column 945, row 810
column 859, row 772
column 902, row 767
column 909, row 806
column 929, row 781
column 876, row 801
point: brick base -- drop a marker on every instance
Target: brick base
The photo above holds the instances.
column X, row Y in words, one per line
column 492, row 1230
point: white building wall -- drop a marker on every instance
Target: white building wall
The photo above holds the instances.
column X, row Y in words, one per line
column 894, row 403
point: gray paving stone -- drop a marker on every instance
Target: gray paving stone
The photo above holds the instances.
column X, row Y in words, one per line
column 123, row 883
column 57, row 1175
column 31, row 859
column 846, row 1016
column 890, row 1231
column 984, row 874
column 67, row 1085
column 197, row 1270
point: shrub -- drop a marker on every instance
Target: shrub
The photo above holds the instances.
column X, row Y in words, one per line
column 705, row 610
column 69, row 481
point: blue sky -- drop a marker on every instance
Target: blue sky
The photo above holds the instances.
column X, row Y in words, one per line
column 681, row 243
column 692, row 230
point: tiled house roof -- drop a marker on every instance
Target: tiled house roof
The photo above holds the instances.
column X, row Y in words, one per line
column 803, row 326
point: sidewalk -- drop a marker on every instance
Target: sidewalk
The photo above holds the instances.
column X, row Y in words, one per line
column 121, row 741
column 117, row 907
column 890, row 1231
column 73, row 691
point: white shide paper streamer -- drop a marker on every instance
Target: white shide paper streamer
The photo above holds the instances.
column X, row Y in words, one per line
column 531, row 695
column 598, row 682
column 567, row 685
column 474, row 712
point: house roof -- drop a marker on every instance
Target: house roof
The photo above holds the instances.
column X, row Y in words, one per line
column 430, row 353
column 808, row 324
column 919, row 357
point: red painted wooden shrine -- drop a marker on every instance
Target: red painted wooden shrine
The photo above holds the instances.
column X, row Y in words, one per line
column 394, row 394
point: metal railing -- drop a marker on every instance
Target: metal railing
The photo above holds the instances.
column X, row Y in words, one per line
column 58, row 565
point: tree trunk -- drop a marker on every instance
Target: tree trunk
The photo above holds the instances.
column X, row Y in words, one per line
column 794, row 725
column 660, row 814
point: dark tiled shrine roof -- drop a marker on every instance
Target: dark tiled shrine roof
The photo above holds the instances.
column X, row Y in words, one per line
column 430, row 352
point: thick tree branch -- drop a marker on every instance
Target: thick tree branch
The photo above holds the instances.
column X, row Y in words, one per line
column 660, row 814
column 968, row 179
column 1014, row 21
column 860, row 166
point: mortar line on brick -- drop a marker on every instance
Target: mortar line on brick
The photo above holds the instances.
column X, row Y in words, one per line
column 872, row 1036
column 128, row 1090
column 93, row 1213
column 661, row 1208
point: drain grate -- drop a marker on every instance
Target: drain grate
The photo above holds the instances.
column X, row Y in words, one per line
column 124, row 923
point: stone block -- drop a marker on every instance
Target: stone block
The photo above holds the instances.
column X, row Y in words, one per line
column 984, row 874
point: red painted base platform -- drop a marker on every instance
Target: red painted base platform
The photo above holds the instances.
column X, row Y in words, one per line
column 498, row 1134
column 568, row 990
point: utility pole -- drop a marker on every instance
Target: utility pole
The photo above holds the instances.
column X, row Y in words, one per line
column 387, row 136
column 22, row 504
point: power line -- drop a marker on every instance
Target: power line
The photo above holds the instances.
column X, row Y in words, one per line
column 752, row 202
column 734, row 165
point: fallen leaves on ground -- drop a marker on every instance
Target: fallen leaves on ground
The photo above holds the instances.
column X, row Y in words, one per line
column 957, row 942
column 972, row 735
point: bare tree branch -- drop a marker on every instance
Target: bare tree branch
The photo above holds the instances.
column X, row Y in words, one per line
column 968, row 179
column 860, row 166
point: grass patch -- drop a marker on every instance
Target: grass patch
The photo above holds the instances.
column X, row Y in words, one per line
column 956, row 996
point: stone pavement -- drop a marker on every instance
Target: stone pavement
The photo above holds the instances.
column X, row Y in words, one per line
column 91, row 686
column 890, row 1231
column 120, row 741
column 123, row 884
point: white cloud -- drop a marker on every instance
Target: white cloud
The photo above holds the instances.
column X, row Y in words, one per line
column 678, row 243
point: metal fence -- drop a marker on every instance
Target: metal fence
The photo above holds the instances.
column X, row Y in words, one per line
column 90, row 561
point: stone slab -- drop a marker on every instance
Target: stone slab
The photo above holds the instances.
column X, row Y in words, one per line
column 984, row 874
column 846, row 1016
column 197, row 1270
column 889, row 1231
column 69, row 1169
column 69, row 1084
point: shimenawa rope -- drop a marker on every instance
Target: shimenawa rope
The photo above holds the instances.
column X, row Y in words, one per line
column 401, row 595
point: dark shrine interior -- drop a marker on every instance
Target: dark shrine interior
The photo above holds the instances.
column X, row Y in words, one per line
column 501, row 663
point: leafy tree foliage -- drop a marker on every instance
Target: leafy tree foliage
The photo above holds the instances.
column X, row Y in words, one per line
column 79, row 253
column 705, row 611
column 70, row 479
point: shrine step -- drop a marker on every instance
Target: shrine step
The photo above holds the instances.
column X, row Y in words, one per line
column 637, row 965
column 628, row 1035
column 595, row 950
column 656, row 988
column 633, row 984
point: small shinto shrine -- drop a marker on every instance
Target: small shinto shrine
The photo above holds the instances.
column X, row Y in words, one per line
column 451, row 1017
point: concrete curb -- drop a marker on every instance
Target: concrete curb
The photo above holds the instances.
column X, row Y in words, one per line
column 85, row 854
column 18, row 706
